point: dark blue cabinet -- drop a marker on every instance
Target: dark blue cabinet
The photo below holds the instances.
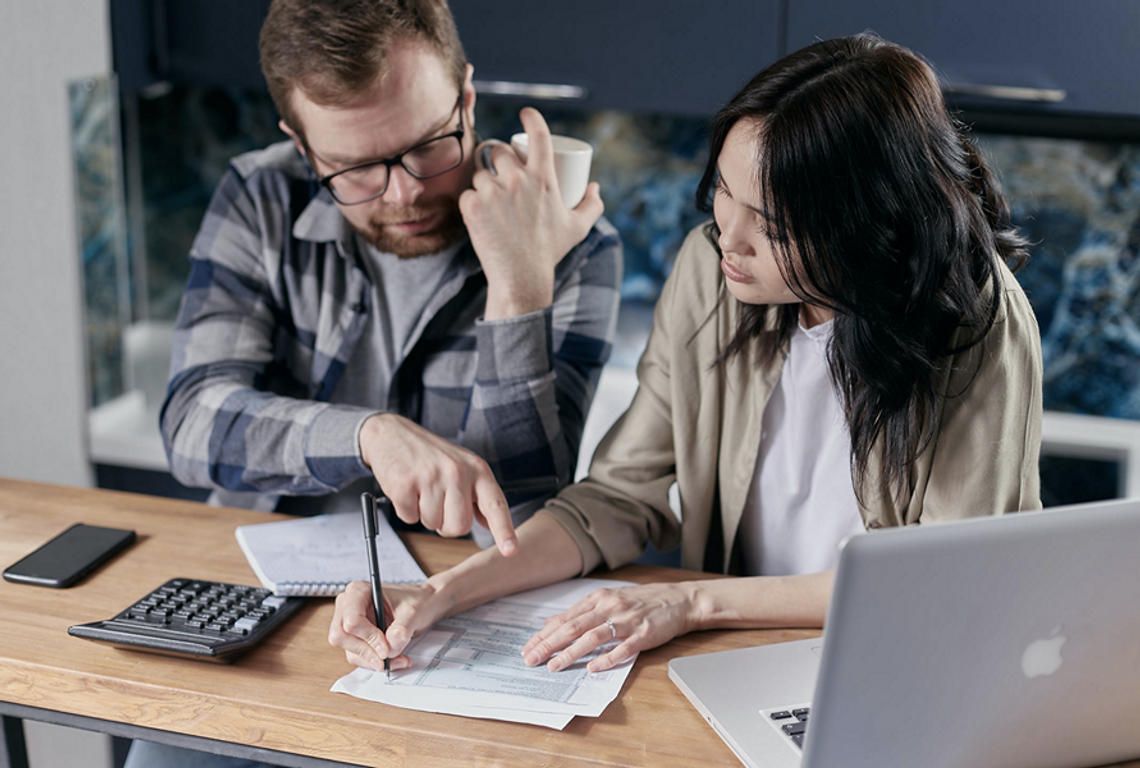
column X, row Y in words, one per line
column 1037, row 56
column 642, row 55
column 187, row 42
column 1033, row 57
column 671, row 56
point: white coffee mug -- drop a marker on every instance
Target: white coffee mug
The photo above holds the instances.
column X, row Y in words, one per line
column 571, row 164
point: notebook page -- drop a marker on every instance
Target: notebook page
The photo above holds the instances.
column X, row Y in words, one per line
column 320, row 555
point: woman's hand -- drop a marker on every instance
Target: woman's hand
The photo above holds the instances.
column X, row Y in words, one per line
column 643, row 617
column 546, row 554
column 411, row 608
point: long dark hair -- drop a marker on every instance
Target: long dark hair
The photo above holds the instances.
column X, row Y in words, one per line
column 883, row 211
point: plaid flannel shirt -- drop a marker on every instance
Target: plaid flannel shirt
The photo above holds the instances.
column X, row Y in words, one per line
column 275, row 304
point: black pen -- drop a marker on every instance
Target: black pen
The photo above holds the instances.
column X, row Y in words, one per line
column 368, row 508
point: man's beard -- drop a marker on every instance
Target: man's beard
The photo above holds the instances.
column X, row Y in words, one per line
column 409, row 246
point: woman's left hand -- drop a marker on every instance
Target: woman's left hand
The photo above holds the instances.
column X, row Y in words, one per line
column 642, row 617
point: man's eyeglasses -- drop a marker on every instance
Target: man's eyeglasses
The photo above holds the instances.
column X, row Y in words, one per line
column 368, row 181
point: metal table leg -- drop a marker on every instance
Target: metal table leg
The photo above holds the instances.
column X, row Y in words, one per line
column 13, row 749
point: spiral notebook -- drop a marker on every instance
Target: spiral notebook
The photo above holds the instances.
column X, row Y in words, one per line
column 321, row 555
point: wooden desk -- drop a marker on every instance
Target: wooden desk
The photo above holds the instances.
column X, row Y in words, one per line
column 274, row 704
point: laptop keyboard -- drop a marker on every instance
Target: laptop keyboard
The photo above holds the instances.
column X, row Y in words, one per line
column 793, row 722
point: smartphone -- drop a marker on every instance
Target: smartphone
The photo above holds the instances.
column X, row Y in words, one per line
column 70, row 556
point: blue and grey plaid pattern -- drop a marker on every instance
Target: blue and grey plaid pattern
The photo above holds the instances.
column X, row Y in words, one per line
column 275, row 304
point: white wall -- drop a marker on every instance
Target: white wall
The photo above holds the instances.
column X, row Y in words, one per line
column 43, row 45
column 54, row 746
column 43, row 400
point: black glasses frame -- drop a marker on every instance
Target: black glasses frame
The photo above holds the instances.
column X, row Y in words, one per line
column 326, row 181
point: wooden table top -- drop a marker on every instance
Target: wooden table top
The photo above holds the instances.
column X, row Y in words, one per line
column 277, row 696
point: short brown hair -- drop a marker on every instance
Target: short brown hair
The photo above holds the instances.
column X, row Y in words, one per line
column 333, row 50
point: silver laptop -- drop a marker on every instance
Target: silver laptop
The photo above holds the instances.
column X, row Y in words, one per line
column 1002, row 641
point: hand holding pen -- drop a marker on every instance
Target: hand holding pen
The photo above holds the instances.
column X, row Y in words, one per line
column 377, row 640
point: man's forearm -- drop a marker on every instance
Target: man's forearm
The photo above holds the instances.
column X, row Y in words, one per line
column 228, row 435
column 514, row 417
column 537, row 373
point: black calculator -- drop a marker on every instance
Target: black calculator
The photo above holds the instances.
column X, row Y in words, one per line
column 197, row 619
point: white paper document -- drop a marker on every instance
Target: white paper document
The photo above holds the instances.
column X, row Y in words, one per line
column 471, row 664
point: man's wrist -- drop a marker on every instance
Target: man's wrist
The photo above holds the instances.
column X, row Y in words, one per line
column 372, row 433
column 506, row 301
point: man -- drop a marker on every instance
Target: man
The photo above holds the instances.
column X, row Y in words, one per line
column 367, row 306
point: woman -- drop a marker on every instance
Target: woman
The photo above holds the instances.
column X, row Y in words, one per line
column 842, row 348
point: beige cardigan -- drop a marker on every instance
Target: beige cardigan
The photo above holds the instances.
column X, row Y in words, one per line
column 698, row 424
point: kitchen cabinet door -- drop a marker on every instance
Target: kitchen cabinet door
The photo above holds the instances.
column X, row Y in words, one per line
column 671, row 56
column 187, row 42
column 1045, row 56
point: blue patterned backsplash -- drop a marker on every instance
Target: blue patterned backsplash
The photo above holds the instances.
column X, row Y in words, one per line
column 1079, row 205
column 1077, row 201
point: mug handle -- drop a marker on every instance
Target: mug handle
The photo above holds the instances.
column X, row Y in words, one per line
column 483, row 155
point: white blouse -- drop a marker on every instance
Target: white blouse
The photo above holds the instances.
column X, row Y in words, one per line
column 802, row 503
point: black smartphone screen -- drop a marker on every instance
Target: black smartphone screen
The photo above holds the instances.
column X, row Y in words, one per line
column 69, row 556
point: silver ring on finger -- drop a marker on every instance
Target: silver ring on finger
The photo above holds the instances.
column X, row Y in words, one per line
column 613, row 630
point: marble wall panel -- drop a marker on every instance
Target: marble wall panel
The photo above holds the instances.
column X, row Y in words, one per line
column 1077, row 201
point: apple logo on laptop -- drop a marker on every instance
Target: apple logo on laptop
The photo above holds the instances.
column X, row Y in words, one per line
column 1043, row 657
